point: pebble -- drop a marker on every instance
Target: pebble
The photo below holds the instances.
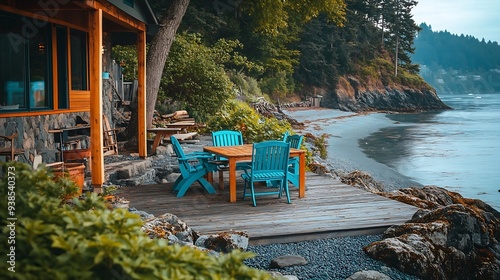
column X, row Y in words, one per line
column 334, row 258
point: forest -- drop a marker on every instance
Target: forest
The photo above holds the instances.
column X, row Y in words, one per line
column 454, row 63
column 225, row 49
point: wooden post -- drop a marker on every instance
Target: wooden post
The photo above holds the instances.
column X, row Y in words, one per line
column 141, row 94
column 96, row 136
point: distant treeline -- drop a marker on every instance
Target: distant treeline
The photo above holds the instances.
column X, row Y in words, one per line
column 443, row 50
column 314, row 55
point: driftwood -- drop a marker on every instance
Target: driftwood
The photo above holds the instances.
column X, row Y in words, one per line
column 267, row 109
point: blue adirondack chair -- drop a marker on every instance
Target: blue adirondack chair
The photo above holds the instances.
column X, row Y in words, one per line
column 226, row 138
column 285, row 136
column 293, row 169
column 193, row 167
column 269, row 163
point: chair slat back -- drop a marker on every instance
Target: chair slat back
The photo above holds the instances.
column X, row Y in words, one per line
column 285, row 136
column 270, row 156
column 227, row 138
column 295, row 141
column 177, row 147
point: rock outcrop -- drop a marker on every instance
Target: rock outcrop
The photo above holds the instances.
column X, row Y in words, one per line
column 354, row 95
column 176, row 231
column 450, row 238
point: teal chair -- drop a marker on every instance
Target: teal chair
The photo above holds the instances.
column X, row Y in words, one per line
column 293, row 169
column 285, row 136
column 193, row 167
column 226, row 138
column 269, row 163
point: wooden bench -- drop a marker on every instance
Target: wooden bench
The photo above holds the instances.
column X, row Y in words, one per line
column 161, row 132
column 183, row 125
column 185, row 136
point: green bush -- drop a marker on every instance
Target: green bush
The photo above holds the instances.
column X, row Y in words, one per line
column 238, row 115
column 84, row 239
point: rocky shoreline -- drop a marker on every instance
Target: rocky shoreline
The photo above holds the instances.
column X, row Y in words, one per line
column 448, row 231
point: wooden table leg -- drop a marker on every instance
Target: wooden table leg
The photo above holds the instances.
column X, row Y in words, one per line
column 156, row 142
column 232, row 180
column 302, row 175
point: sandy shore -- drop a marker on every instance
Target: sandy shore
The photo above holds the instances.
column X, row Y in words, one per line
column 345, row 130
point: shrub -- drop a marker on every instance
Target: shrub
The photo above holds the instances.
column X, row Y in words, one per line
column 237, row 115
column 86, row 240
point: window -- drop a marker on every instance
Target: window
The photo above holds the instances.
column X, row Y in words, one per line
column 24, row 75
column 78, row 48
column 27, row 82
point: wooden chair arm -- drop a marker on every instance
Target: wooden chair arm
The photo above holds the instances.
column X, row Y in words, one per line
column 10, row 138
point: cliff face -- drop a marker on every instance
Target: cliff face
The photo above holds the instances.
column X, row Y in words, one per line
column 353, row 95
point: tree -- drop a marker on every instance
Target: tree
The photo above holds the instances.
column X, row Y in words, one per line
column 270, row 16
column 401, row 30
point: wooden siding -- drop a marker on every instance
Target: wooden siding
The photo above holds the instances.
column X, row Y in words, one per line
column 79, row 100
column 330, row 209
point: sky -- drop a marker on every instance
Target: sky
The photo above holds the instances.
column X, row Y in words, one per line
column 479, row 18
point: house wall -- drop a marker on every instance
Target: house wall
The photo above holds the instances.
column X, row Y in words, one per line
column 34, row 136
column 33, row 131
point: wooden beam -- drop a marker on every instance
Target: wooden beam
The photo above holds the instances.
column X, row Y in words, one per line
column 96, row 136
column 116, row 15
column 141, row 93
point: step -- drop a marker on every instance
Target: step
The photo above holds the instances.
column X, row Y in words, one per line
column 145, row 178
column 126, row 170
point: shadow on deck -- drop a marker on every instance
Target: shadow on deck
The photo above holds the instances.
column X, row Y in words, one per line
column 330, row 209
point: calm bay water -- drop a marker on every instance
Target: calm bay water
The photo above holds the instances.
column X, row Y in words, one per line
column 457, row 149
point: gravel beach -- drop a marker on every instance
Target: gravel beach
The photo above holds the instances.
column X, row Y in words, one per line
column 334, row 258
column 337, row 258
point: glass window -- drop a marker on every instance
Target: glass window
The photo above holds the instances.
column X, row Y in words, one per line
column 26, row 79
column 24, row 56
column 38, row 69
column 13, row 58
column 78, row 45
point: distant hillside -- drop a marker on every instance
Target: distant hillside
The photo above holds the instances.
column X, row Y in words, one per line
column 457, row 64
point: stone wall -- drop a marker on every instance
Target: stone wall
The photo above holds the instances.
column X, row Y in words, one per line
column 34, row 136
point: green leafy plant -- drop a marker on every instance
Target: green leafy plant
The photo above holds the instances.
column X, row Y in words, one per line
column 238, row 115
column 84, row 239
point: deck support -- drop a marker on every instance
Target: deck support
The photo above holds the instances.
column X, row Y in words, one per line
column 141, row 93
column 96, row 139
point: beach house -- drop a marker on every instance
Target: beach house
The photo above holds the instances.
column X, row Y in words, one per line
column 55, row 56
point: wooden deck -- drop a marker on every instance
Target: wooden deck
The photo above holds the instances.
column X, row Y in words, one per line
column 330, row 209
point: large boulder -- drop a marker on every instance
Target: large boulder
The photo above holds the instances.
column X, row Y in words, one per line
column 453, row 238
column 176, row 231
column 169, row 226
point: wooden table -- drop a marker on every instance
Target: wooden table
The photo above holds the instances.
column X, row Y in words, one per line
column 184, row 125
column 160, row 133
column 244, row 152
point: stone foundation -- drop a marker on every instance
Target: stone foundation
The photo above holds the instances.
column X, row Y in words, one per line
column 34, row 136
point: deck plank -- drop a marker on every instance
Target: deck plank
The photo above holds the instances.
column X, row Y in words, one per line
column 329, row 209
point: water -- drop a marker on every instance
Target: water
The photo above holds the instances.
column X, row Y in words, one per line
column 457, row 149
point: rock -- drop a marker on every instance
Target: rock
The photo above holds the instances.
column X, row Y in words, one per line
column 454, row 238
column 168, row 225
column 224, row 242
column 277, row 275
column 173, row 176
column 287, row 260
column 144, row 215
column 368, row 275
column 163, row 150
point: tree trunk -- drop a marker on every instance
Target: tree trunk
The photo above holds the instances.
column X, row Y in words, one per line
column 156, row 58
